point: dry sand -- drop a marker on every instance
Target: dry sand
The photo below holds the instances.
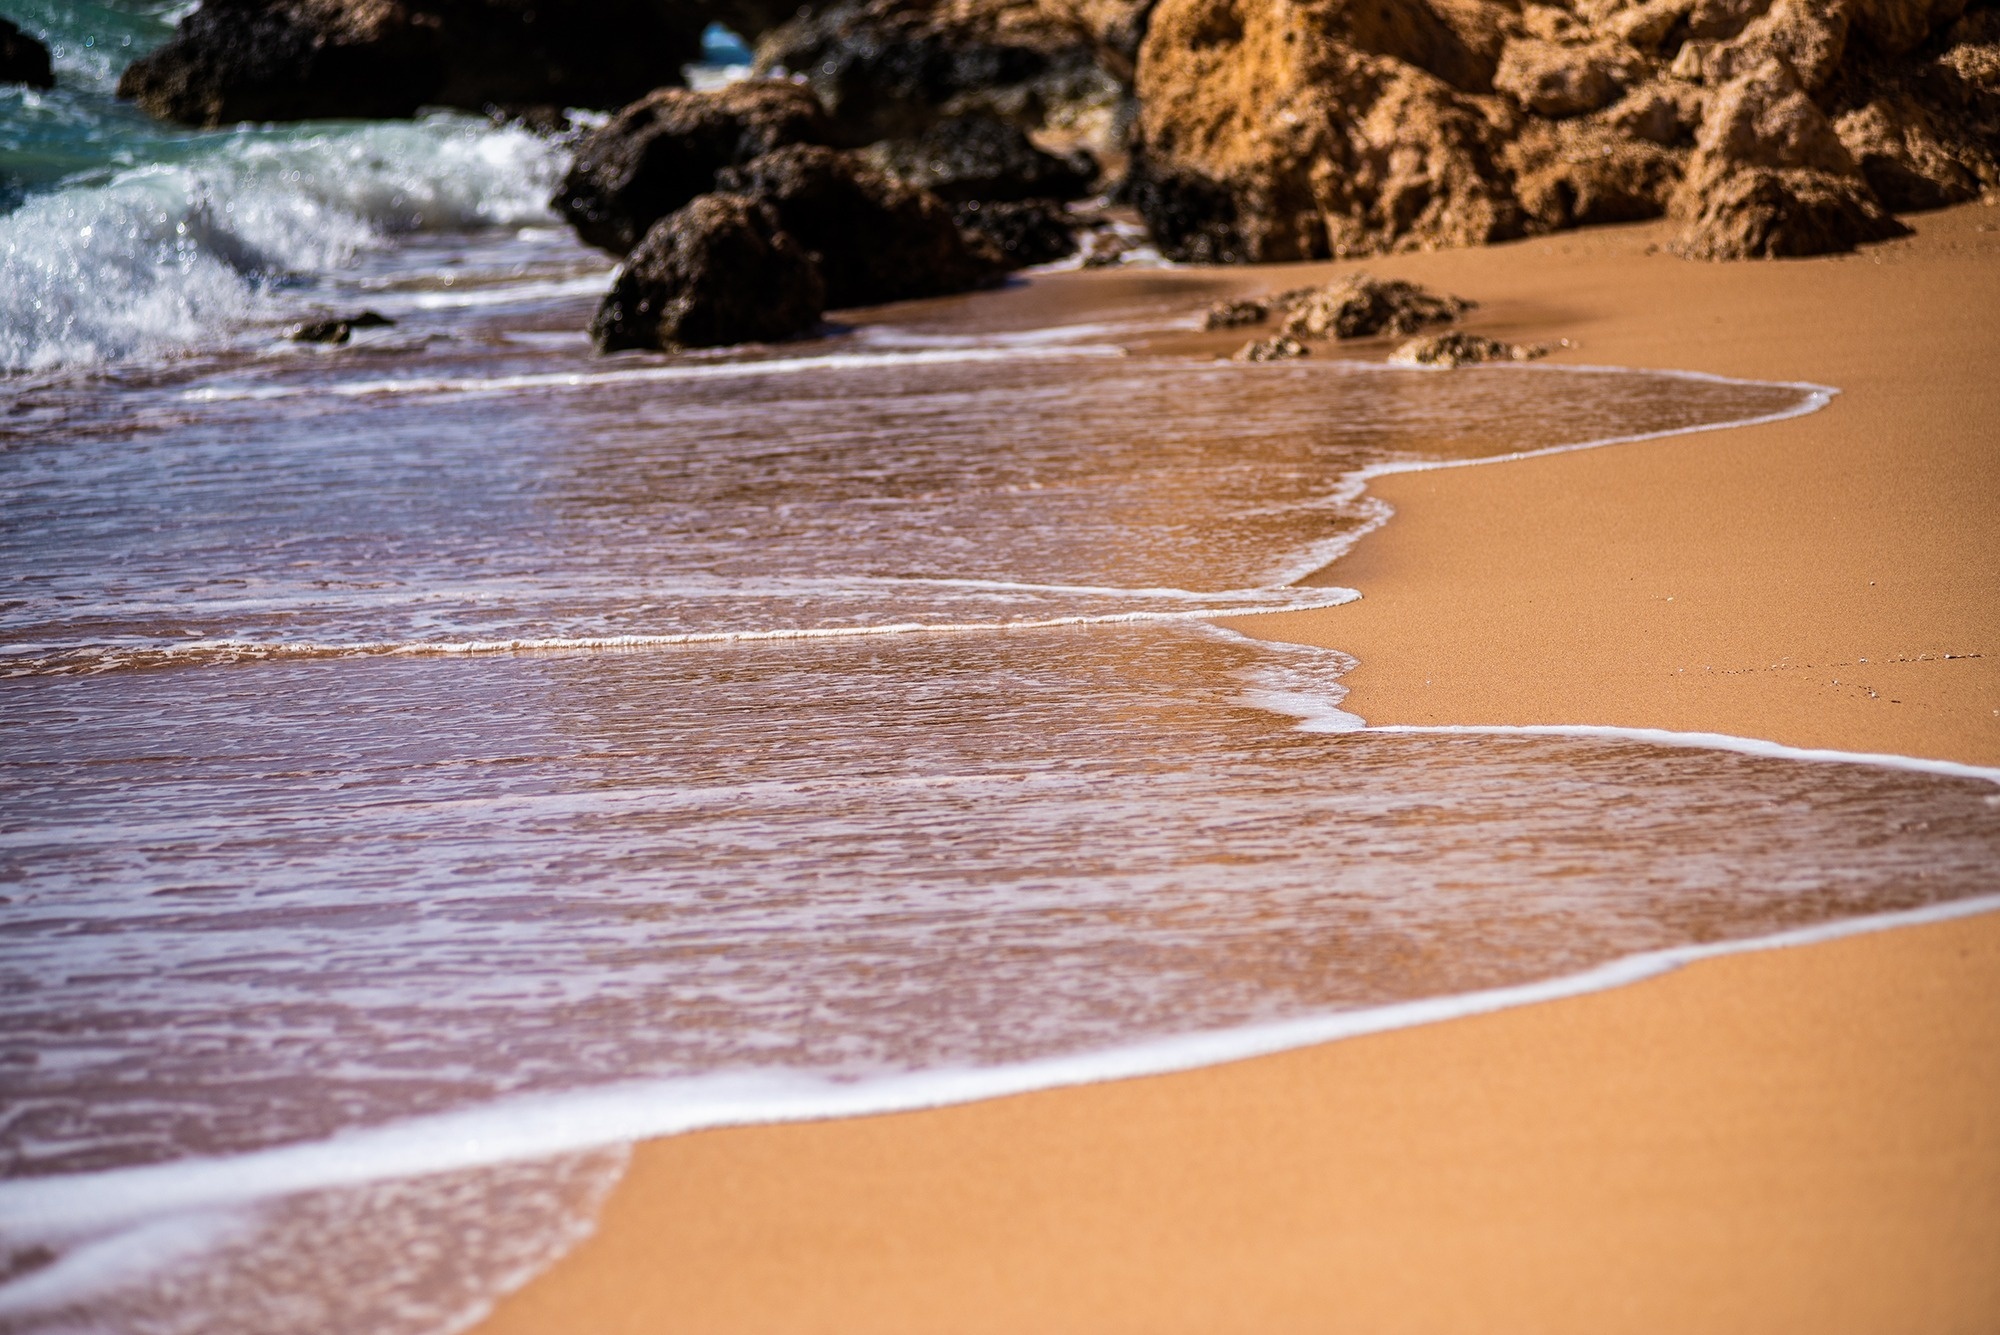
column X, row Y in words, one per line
column 1805, row 1139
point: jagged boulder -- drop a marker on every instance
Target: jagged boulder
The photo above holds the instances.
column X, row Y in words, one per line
column 1019, row 232
column 1356, row 306
column 284, row 60
column 889, row 68
column 24, row 60
column 981, row 157
column 1770, row 177
column 718, row 271
column 1303, row 130
column 877, row 239
column 661, row 151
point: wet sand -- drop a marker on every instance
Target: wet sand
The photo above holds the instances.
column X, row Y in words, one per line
column 1796, row 1139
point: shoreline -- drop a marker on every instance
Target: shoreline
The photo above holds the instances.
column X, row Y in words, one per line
column 864, row 1266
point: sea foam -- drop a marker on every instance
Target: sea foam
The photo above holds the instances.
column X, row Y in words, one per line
column 160, row 258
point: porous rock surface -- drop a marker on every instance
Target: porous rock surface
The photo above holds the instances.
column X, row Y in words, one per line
column 1356, row 306
column 664, row 149
column 718, row 271
column 284, row 60
column 1319, row 128
column 876, row 239
column 889, row 68
column 981, row 157
column 1019, row 232
column 1458, row 348
column 23, row 59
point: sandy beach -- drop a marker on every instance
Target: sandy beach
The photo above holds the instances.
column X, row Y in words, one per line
column 1794, row 1139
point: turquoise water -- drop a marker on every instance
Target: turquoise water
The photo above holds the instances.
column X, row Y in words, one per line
column 124, row 240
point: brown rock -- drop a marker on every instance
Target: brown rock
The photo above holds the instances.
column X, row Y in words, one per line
column 1298, row 131
column 238, row 60
column 1459, row 348
column 876, row 238
column 663, row 150
column 1020, row 232
column 1359, row 306
column 1559, row 79
column 1277, row 349
column 1808, row 35
column 1580, row 173
column 717, row 272
column 1770, row 177
column 981, row 157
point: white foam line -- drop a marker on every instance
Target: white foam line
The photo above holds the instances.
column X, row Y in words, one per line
column 1707, row 741
column 1816, row 397
column 533, row 1128
column 508, row 384
column 1329, row 597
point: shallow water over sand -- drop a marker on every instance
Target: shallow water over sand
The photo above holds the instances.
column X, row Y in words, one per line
column 399, row 732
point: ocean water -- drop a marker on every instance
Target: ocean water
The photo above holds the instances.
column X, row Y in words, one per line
column 428, row 765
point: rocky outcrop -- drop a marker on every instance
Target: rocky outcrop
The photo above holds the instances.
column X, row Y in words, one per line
column 24, row 60
column 283, row 60
column 981, row 157
column 1321, row 128
column 1770, row 177
column 1318, row 128
column 718, row 271
column 876, row 239
column 663, row 150
column 889, row 68
column 1458, row 348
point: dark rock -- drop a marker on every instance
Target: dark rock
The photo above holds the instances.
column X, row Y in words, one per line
column 666, row 148
column 24, row 60
column 1236, row 314
column 981, row 157
column 1023, row 232
column 284, row 60
column 888, row 68
column 877, row 239
column 337, row 330
column 718, row 271
column 1459, row 348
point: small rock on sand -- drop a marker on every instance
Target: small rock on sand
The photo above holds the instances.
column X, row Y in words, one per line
column 1278, row 349
column 1459, row 348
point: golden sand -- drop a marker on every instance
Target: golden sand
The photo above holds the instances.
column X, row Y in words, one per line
column 1804, row 1139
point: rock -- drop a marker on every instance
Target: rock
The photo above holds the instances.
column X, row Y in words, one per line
column 888, row 68
column 718, row 271
column 1926, row 133
column 285, row 60
column 1558, row 79
column 1577, row 173
column 1899, row 26
column 338, row 330
column 24, row 60
column 1318, row 128
column 1021, row 232
column 1769, row 177
column 1278, row 349
column 1359, row 306
column 664, row 149
column 1236, row 314
column 1808, row 35
column 1909, row 160
column 981, row 157
column 1459, row 348
column 876, row 238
